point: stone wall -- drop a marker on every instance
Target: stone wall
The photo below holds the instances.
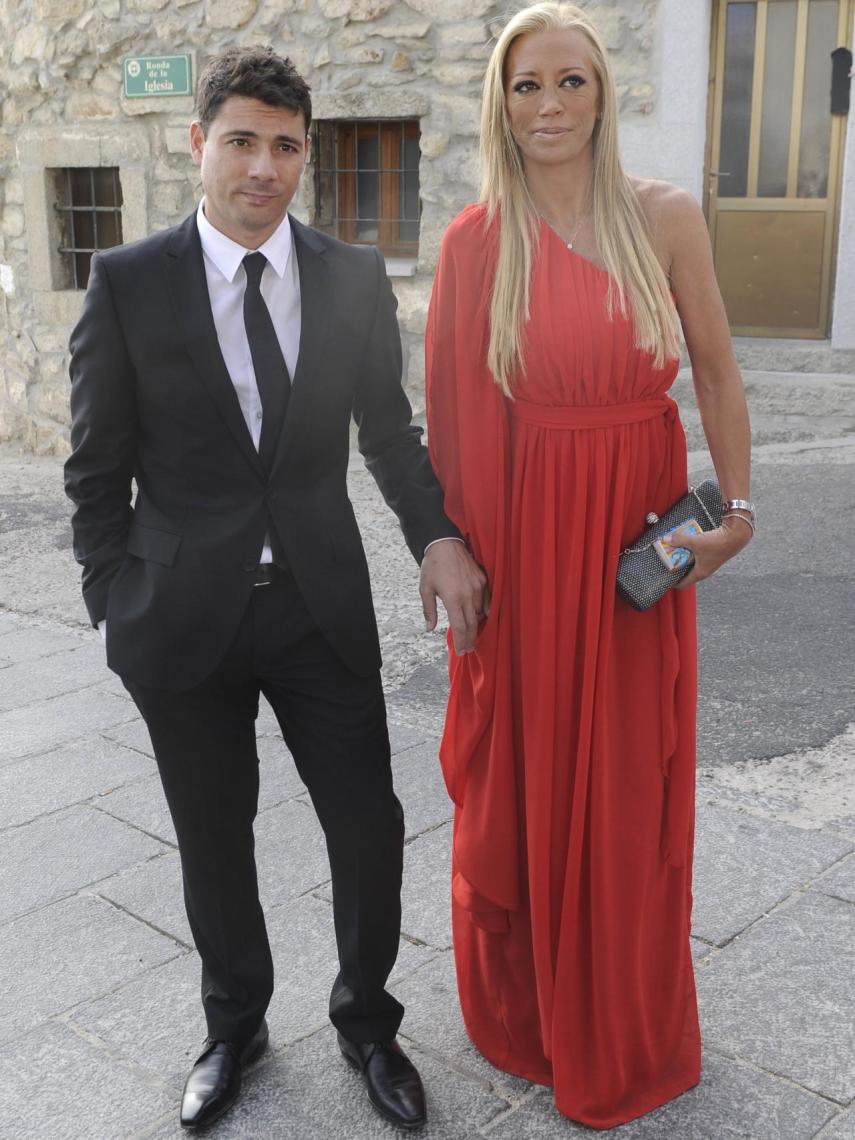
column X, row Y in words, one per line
column 60, row 90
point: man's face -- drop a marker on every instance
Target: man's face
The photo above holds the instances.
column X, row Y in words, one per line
column 251, row 164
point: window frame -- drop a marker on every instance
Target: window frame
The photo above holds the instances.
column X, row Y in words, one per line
column 42, row 148
column 337, row 173
column 72, row 215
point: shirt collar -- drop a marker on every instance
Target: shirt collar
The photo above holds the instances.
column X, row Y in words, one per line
column 227, row 255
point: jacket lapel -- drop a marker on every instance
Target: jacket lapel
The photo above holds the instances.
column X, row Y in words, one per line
column 314, row 312
column 189, row 289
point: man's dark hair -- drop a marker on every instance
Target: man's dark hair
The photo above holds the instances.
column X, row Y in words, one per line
column 256, row 73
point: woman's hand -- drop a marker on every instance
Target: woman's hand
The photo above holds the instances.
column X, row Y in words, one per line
column 712, row 549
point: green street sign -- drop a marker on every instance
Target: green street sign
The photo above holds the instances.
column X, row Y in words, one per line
column 148, row 76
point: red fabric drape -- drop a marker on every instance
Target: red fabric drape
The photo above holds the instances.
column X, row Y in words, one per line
column 569, row 739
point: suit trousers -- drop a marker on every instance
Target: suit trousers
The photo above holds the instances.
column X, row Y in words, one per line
column 334, row 723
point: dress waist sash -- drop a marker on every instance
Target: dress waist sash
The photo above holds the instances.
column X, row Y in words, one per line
column 575, row 416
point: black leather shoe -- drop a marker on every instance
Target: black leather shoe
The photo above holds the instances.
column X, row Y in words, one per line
column 214, row 1081
column 393, row 1083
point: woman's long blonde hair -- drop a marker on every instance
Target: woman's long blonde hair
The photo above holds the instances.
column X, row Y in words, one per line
column 637, row 281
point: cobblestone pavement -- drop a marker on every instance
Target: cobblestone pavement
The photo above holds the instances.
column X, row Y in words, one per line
column 99, row 1011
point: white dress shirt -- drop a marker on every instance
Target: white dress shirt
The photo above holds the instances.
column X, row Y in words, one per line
column 280, row 288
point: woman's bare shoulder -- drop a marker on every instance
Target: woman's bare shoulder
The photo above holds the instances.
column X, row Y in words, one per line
column 666, row 205
column 662, row 202
column 673, row 215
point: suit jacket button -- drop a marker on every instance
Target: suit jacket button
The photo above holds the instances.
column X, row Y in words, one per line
column 249, row 566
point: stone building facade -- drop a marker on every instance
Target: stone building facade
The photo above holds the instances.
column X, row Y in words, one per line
column 63, row 107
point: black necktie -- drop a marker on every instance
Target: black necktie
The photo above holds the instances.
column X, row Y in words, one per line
column 271, row 371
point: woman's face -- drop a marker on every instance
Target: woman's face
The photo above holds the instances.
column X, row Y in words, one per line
column 552, row 95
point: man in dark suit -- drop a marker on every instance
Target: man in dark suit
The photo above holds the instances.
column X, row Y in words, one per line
column 218, row 364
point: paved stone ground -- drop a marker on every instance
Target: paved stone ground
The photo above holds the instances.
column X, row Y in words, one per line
column 99, row 1012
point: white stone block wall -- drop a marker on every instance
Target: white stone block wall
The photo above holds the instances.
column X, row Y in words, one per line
column 60, row 92
column 669, row 140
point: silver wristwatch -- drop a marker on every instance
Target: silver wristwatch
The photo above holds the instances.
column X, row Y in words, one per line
column 740, row 505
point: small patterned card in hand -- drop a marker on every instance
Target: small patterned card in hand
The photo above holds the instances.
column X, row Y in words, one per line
column 676, row 557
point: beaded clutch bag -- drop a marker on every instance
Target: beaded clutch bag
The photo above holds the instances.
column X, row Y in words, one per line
column 644, row 573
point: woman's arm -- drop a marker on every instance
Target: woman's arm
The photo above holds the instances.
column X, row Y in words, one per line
column 681, row 233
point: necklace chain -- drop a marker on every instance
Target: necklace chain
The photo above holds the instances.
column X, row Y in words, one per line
column 575, row 233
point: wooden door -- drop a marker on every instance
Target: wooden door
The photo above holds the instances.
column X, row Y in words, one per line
column 774, row 161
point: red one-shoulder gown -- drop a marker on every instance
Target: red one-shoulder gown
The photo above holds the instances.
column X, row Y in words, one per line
column 569, row 743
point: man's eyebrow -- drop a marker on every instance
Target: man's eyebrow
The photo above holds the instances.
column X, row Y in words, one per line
column 238, row 133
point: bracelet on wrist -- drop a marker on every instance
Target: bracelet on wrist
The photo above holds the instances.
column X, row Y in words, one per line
column 743, row 518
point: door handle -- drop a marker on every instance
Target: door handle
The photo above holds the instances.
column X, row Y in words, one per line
column 719, row 174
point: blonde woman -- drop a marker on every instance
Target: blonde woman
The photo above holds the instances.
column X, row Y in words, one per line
column 569, row 746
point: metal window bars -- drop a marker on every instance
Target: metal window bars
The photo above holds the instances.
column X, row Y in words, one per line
column 90, row 213
column 367, row 182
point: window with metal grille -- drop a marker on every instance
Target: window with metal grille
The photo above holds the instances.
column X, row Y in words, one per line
column 88, row 202
column 367, row 183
